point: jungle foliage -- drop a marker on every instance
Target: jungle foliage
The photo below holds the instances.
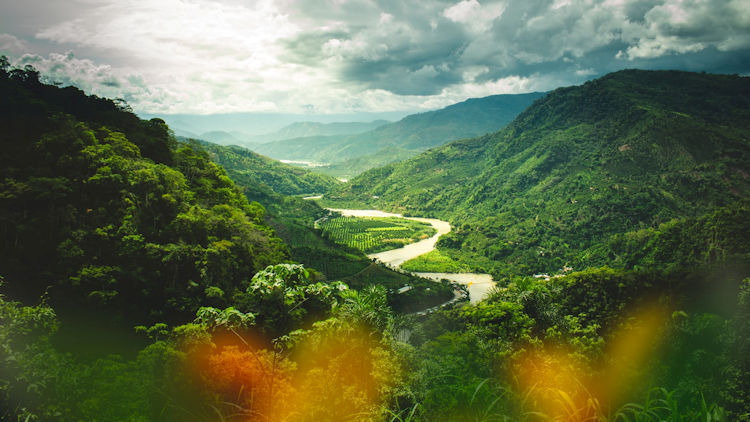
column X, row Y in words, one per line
column 103, row 210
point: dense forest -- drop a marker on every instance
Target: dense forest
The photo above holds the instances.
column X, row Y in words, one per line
column 144, row 278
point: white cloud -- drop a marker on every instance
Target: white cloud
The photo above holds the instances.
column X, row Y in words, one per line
column 206, row 56
column 472, row 72
column 687, row 26
column 386, row 18
column 103, row 80
column 11, row 44
column 507, row 85
column 473, row 14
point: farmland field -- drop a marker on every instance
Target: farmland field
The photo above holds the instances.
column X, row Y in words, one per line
column 372, row 235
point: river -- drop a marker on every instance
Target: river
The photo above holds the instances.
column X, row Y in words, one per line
column 478, row 284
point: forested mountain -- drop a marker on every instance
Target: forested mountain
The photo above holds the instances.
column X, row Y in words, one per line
column 103, row 210
column 630, row 151
column 279, row 177
column 404, row 138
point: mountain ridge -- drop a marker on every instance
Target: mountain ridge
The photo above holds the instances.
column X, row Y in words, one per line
column 303, row 129
column 629, row 151
column 416, row 132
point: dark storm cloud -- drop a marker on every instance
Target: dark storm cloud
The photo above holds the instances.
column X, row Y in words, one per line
column 433, row 45
column 397, row 48
column 409, row 63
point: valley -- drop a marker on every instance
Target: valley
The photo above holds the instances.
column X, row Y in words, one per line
column 350, row 154
column 602, row 231
column 478, row 285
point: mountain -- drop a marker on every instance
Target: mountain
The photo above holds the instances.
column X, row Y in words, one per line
column 279, row 177
column 294, row 130
column 110, row 218
column 628, row 152
column 307, row 129
column 224, row 138
column 416, row 132
column 262, row 123
column 102, row 212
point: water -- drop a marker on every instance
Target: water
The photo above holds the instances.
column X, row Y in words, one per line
column 478, row 284
column 303, row 163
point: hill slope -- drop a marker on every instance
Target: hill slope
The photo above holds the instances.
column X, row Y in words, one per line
column 416, row 132
column 279, row 177
column 266, row 181
column 629, row 151
column 222, row 138
column 104, row 211
column 107, row 213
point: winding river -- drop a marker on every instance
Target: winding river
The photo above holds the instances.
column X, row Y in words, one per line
column 477, row 284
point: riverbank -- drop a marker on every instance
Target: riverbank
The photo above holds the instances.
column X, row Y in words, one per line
column 478, row 285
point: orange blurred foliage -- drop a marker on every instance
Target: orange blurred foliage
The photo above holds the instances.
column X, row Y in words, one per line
column 338, row 375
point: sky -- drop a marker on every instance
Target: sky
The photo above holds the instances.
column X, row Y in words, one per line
column 328, row 57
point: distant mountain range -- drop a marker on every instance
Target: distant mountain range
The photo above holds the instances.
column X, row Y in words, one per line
column 405, row 138
column 252, row 124
column 294, row 130
column 306, row 129
column 630, row 154
column 220, row 137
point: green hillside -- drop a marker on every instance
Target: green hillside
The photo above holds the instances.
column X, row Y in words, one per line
column 416, row 132
column 104, row 211
column 279, row 177
column 627, row 152
column 271, row 183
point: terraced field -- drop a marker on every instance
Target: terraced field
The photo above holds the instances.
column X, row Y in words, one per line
column 374, row 234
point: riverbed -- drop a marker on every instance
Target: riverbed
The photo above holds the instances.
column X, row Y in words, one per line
column 478, row 284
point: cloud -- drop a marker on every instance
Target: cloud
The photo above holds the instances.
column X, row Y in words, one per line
column 10, row 44
column 206, row 56
column 688, row 26
column 339, row 56
column 409, row 53
column 476, row 16
column 103, row 80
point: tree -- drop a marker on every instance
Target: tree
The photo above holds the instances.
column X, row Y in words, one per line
column 283, row 297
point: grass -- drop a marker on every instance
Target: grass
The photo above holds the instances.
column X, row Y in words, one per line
column 434, row 262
